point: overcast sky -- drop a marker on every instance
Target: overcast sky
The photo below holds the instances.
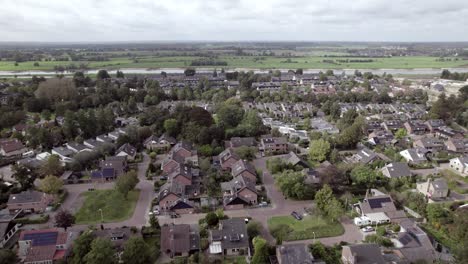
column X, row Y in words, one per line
column 234, row 20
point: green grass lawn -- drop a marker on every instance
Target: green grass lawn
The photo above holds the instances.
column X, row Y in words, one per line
column 305, row 228
column 254, row 62
column 235, row 260
column 114, row 207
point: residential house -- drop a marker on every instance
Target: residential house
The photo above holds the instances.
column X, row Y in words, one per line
column 181, row 153
column 237, row 142
column 173, row 197
column 380, row 137
column 43, row 246
column 396, row 170
column 110, row 168
column 127, row 150
column 230, row 239
column 293, row 159
column 432, row 144
column 363, row 156
column 92, row 143
column 172, row 162
column 362, row 254
column 104, row 139
column 245, row 169
column 273, row 145
column 294, row 254
column 446, row 132
column 413, row 244
column 118, row 236
column 227, row 158
column 179, row 240
column 182, row 175
column 8, row 227
column 77, row 147
column 434, row 189
column 416, row 127
column 372, row 126
column 70, row 177
column 379, row 208
column 238, row 193
column 65, row 154
column 457, row 145
column 435, row 124
column 392, row 125
column 162, row 143
column 414, row 155
column 29, row 201
column 460, row 165
column 11, row 147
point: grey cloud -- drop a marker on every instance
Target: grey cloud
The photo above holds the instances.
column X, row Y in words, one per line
column 124, row 20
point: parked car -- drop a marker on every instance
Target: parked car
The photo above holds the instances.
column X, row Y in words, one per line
column 263, row 204
column 296, row 215
column 367, row 229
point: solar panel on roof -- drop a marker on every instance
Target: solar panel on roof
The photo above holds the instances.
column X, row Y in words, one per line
column 405, row 239
column 42, row 239
column 377, row 203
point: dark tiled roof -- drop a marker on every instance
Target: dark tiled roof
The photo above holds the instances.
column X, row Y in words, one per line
column 26, row 197
column 295, row 254
column 11, row 145
column 232, row 233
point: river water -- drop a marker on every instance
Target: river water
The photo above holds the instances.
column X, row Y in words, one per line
column 420, row 71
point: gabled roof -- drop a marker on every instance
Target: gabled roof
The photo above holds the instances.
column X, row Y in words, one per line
column 11, row 145
column 379, row 203
column 227, row 154
column 28, row 196
column 183, row 170
column 294, row 254
column 241, row 166
column 128, row 149
column 366, row 253
column 397, row 169
column 232, row 233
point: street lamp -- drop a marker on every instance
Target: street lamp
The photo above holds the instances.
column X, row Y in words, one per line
column 102, row 217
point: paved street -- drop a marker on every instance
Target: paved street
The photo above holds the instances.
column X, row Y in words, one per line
column 279, row 206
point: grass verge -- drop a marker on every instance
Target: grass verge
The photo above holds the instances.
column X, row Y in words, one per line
column 115, row 207
column 305, row 228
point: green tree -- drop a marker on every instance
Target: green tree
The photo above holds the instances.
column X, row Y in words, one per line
column 102, row 252
column 137, row 251
column 400, row 133
column 435, row 212
column 212, row 219
column 280, row 232
column 23, row 175
column 364, row 176
column 334, row 209
column 261, row 251
column 292, row 185
column 127, row 182
column 246, row 153
column 102, row 74
column 81, row 247
column 253, row 229
column 64, row 219
column 8, row 257
column 51, row 184
column 171, row 127
column 319, row 149
column 52, row 166
column 323, row 197
column 229, row 115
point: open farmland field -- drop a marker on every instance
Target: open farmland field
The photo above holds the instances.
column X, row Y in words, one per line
column 248, row 62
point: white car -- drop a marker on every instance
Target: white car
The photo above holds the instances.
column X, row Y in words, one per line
column 367, row 229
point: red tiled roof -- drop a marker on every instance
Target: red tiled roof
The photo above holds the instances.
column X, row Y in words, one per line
column 11, row 145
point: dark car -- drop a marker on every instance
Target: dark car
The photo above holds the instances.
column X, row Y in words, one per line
column 296, row 215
